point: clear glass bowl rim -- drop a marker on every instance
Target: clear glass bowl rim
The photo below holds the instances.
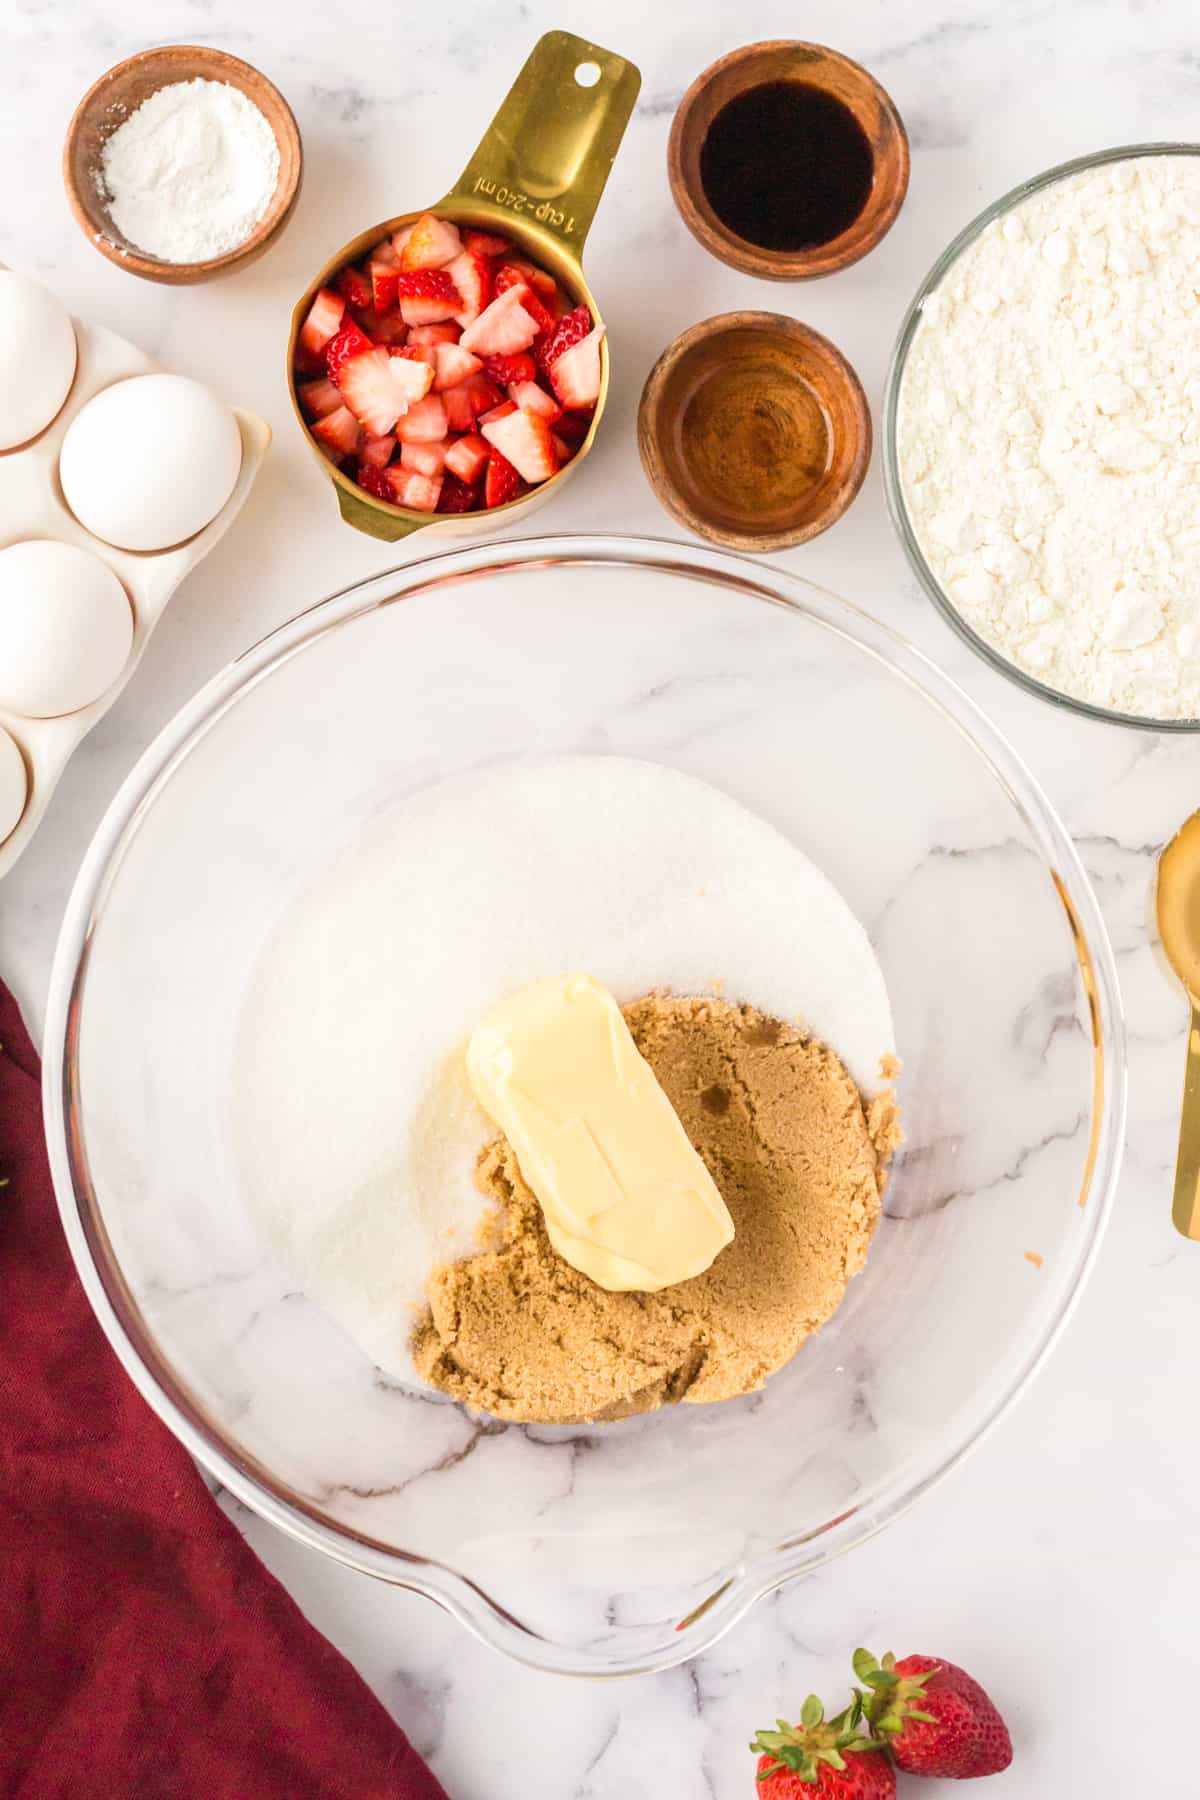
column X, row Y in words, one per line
column 248, row 1480
column 891, row 463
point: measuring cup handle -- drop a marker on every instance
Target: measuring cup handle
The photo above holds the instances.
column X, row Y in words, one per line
column 546, row 155
column 1186, row 1209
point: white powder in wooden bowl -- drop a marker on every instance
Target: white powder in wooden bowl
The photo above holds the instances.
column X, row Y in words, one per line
column 190, row 174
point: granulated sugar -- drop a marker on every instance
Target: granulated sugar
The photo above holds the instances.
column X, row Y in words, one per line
column 357, row 1129
column 189, row 175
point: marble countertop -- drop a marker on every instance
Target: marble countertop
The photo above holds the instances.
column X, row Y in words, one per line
column 1073, row 1529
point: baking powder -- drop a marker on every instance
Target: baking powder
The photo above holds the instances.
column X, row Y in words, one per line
column 190, row 174
column 1049, row 435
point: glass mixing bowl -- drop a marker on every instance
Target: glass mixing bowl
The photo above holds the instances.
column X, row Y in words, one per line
column 597, row 1549
column 893, row 486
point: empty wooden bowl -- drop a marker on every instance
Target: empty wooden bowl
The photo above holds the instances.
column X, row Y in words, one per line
column 754, row 431
column 110, row 101
column 760, row 66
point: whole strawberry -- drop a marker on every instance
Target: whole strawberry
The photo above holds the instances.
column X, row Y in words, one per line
column 826, row 1757
column 934, row 1718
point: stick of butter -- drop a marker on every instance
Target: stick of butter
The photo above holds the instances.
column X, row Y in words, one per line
column 627, row 1200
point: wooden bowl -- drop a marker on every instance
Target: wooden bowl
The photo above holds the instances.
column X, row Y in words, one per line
column 785, row 60
column 110, row 101
column 754, row 431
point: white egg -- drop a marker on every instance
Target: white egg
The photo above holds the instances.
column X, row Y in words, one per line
column 37, row 357
column 66, row 628
column 150, row 462
column 14, row 785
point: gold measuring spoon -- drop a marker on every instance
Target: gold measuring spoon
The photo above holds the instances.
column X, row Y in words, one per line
column 1178, row 904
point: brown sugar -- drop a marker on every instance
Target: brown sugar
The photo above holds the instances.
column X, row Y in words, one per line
column 801, row 1162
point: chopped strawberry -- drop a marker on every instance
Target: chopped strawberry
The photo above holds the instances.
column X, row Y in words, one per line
column 324, row 317
column 427, row 295
column 452, row 364
column 308, row 362
column 426, row 353
column 379, row 388
column 507, row 369
column 575, row 373
column 525, row 439
column 424, row 422
column 383, row 285
column 427, row 284
column 545, row 320
column 517, row 268
column 509, row 275
column 484, row 393
column 444, row 332
column 503, row 483
column 344, row 344
column 391, row 328
column 318, row 398
column 472, row 276
column 574, row 426
column 425, row 459
column 415, row 378
column 507, row 325
column 457, row 349
column 485, row 243
column 337, row 433
column 456, row 496
column 465, row 402
column 431, row 244
column 382, row 328
column 374, row 480
column 534, row 398
column 467, row 458
column 460, row 413
column 419, row 492
column 572, row 328
column 369, row 390
column 376, row 452
column 354, row 287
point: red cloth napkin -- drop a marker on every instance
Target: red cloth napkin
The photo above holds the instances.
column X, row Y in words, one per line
column 145, row 1652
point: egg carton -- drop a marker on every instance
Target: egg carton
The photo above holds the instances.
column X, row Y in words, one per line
column 32, row 506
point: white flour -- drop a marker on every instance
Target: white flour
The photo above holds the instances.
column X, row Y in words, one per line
column 357, row 1130
column 190, row 174
column 1049, row 435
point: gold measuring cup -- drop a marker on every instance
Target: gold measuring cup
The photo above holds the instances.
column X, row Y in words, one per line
column 1178, row 908
column 537, row 176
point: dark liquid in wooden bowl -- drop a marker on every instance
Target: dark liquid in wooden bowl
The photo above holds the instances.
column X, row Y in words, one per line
column 786, row 165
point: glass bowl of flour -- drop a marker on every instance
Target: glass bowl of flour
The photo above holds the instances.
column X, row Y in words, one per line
column 665, row 765
column 1042, row 436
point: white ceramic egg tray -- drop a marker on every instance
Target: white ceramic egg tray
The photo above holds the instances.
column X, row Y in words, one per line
column 32, row 506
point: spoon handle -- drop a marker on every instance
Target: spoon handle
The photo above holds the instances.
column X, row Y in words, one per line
column 1186, row 1210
